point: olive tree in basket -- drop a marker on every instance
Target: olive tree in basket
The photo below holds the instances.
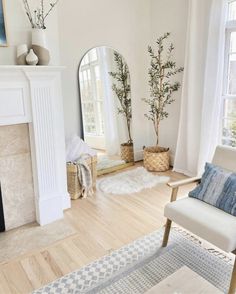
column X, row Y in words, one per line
column 161, row 72
column 121, row 88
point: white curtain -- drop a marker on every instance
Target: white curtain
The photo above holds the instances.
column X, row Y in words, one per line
column 199, row 127
column 112, row 141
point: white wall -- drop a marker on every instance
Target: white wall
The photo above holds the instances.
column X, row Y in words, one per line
column 123, row 25
column 170, row 16
column 18, row 31
column 128, row 26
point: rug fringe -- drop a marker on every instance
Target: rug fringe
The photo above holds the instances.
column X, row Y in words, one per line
column 219, row 254
column 188, row 235
column 213, row 251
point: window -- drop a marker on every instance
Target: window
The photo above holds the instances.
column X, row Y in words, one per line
column 229, row 89
column 92, row 94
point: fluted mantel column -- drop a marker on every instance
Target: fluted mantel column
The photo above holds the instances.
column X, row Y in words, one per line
column 43, row 102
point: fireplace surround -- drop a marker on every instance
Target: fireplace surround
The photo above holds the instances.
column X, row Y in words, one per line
column 32, row 95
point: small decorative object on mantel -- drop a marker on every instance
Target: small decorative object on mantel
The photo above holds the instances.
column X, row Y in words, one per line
column 22, row 51
column 31, row 58
column 37, row 19
column 123, row 90
column 39, row 44
column 161, row 72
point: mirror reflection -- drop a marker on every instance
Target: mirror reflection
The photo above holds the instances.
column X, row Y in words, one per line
column 105, row 97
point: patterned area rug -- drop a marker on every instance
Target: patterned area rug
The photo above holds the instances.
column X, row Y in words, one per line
column 129, row 182
column 139, row 266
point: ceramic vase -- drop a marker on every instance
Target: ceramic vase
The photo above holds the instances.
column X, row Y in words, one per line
column 22, row 51
column 31, row 58
column 39, row 45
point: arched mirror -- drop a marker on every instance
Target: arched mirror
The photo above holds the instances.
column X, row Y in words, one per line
column 105, row 98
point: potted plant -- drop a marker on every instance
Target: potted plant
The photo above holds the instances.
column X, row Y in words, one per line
column 162, row 86
column 122, row 90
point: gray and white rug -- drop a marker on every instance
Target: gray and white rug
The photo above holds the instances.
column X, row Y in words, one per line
column 129, row 182
column 139, row 266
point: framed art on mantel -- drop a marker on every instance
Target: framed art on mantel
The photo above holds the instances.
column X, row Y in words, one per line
column 3, row 35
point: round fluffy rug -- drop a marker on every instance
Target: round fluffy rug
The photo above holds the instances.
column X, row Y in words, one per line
column 129, row 182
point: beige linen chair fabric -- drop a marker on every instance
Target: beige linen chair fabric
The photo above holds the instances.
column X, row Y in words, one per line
column 204, row 220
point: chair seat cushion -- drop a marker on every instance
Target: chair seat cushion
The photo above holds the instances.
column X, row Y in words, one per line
column 204, row 220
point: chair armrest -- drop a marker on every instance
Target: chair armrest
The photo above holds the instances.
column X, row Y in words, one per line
column 184, row 182
column 175, row 186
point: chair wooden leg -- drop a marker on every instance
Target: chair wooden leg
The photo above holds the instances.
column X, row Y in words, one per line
column 167, row 232
column 232, row 288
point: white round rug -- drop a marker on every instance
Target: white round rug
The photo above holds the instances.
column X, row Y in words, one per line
column 129, row 182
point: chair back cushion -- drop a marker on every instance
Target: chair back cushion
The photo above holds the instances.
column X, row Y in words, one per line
column 225, row 157
column 217, row 188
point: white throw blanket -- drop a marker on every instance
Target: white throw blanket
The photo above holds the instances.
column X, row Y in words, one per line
column 75, row 147
column 84, row 176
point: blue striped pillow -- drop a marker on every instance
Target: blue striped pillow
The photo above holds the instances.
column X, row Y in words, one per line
column 217, row 188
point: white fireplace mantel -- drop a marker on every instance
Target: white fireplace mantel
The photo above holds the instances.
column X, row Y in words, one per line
column 32, row 94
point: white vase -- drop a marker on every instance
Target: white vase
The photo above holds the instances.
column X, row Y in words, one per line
column 32, row 58
column 39, row 45
column 21, row 52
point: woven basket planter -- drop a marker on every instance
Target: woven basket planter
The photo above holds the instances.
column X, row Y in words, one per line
column 73, row 184
column 127, row 152
column 156, row 159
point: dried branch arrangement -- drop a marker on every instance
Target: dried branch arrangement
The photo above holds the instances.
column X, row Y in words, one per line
column 38, row 16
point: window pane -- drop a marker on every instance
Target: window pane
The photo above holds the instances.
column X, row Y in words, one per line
column 232, row 74
column 101, row 117
column 99, row 88
column 232, row 11
column 233, row 42
column 230, row 109
column 229, row 132
column 93, row 55
column 85, row 60
column 88, row 108
column 90, row 129
column 92, row 96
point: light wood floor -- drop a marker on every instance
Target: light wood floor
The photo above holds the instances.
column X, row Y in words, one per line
column 102, row 223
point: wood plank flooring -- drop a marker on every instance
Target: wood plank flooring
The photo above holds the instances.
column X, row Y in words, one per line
column 102, row 223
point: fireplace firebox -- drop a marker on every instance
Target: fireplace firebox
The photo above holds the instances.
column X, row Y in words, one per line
column 2, row 221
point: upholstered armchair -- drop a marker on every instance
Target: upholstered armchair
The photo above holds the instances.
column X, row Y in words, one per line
column 202, row 219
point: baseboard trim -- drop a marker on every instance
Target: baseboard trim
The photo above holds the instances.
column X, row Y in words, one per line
column 138, row 155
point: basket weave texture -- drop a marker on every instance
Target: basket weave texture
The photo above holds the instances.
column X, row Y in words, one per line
column 156, row 159
column 127, row 152
column 73, row 184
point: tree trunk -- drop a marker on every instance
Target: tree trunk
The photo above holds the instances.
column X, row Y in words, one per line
column 129, row 130
column 156, row 125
